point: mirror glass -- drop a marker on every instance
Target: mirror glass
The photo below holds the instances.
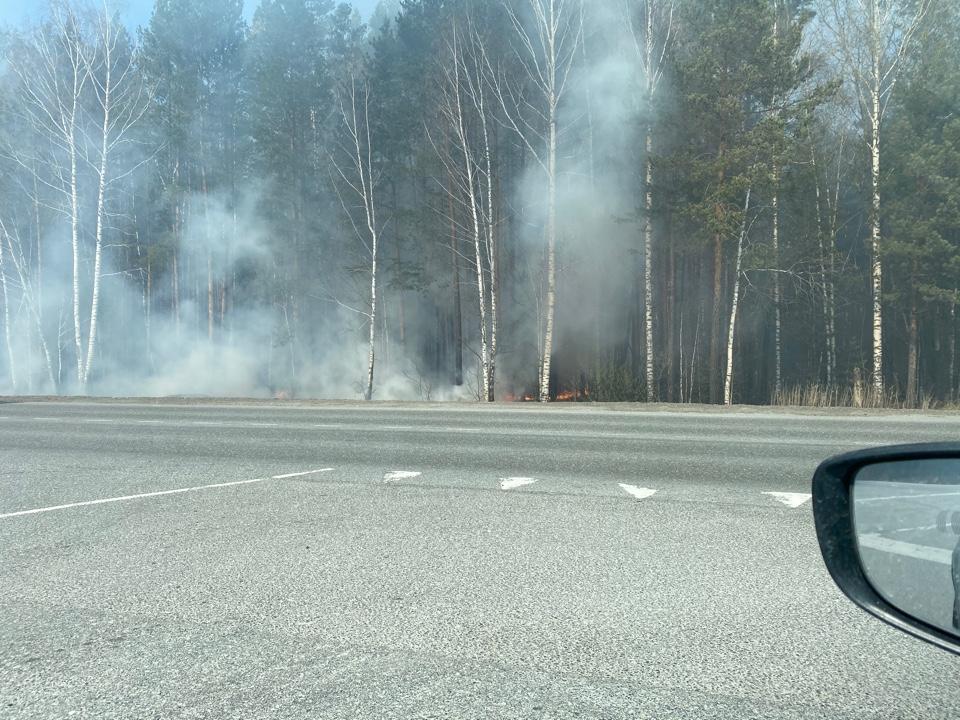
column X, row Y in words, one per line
column 906, row 519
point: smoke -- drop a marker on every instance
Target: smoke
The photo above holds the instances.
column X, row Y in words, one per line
column 202, row 340
column 598, row 217
column 234, row 302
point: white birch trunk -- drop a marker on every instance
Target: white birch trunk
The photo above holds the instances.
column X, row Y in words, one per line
column 551, row 255
column 731, row 330
column 491, row 253
column 473, row 206
column 29, row 297
column 363, row 184
column 548, row 53
column 871, row 39
column 11, row 364
column 652, row 43
column 876, row 267
column 648, row 267
column 75, row 248
column 953, row 347
column 101, row 201
column 777, row 321
column 824, row 291
column 651, row 77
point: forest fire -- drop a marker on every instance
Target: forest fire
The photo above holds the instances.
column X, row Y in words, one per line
column 563, row 396
column 525, row 397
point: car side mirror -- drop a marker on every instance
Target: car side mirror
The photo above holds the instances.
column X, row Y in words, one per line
column 888, row 523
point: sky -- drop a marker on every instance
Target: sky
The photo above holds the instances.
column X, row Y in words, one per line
column 136, row 12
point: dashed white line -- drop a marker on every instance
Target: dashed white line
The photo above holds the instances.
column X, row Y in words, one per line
column 302, row 474
column 160, row 493
column 915, row 529
column 513, row 483
column 898, row 547
column 130, row 497
column 395, row 475
column 791, row 500
column 640, row 493
column 905, row 497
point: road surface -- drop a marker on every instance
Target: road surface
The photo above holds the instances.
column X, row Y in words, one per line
column 203, row 560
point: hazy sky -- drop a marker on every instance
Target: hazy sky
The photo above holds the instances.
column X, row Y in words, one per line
column 137, row 12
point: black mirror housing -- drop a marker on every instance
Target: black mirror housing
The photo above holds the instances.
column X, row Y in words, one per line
column 834, row 516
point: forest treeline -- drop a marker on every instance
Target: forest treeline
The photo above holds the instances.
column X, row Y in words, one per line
column 725, row 201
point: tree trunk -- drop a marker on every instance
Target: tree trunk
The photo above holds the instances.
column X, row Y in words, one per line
column 953, row 348
column 777, row 328
column 716, row 318
column 457, row 303
column 728, row 379
column 98, row 251
column 371, row 352
column 473, row 204
column 492, row 252
column 669, row 320
column 75, row 247
column 6, row 322
column 876, row 274
column 648, row 263
column 912, row 398
column 824, row 278
column 547, row 359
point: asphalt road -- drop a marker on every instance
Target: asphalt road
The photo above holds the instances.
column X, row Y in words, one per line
column 398, row 562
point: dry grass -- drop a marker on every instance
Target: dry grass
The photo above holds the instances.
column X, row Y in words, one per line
column 856, row 396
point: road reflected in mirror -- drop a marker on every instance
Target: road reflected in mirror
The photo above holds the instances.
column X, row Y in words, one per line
column 906, row 518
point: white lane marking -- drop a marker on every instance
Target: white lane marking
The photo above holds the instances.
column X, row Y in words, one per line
column 301, row 474
column 640, row 493
column 791, row 500
column 150, row 422
column 915, row 529
column 178, row 491
column 907, row 497
column 395, row 475
column 513, row 483
column 898, row 547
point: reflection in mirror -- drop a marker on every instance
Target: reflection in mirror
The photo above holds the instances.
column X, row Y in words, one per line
column 906, row 518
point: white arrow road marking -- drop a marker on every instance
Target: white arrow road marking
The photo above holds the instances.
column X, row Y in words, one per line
column 301, row 474
column 792, row 500
column 921, row 552
column 640, row 493
column 512, row 483
column 395, row 475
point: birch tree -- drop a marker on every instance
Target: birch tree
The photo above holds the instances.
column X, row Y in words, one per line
column 652, row 41
column 121, row 100
column 827, row 201
column 359, row 175
column 29, row 295
column 735, row 304
column 52, row 75
column 465, row 103
column 7, row 335
column 546, row 47
column 871, row 38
